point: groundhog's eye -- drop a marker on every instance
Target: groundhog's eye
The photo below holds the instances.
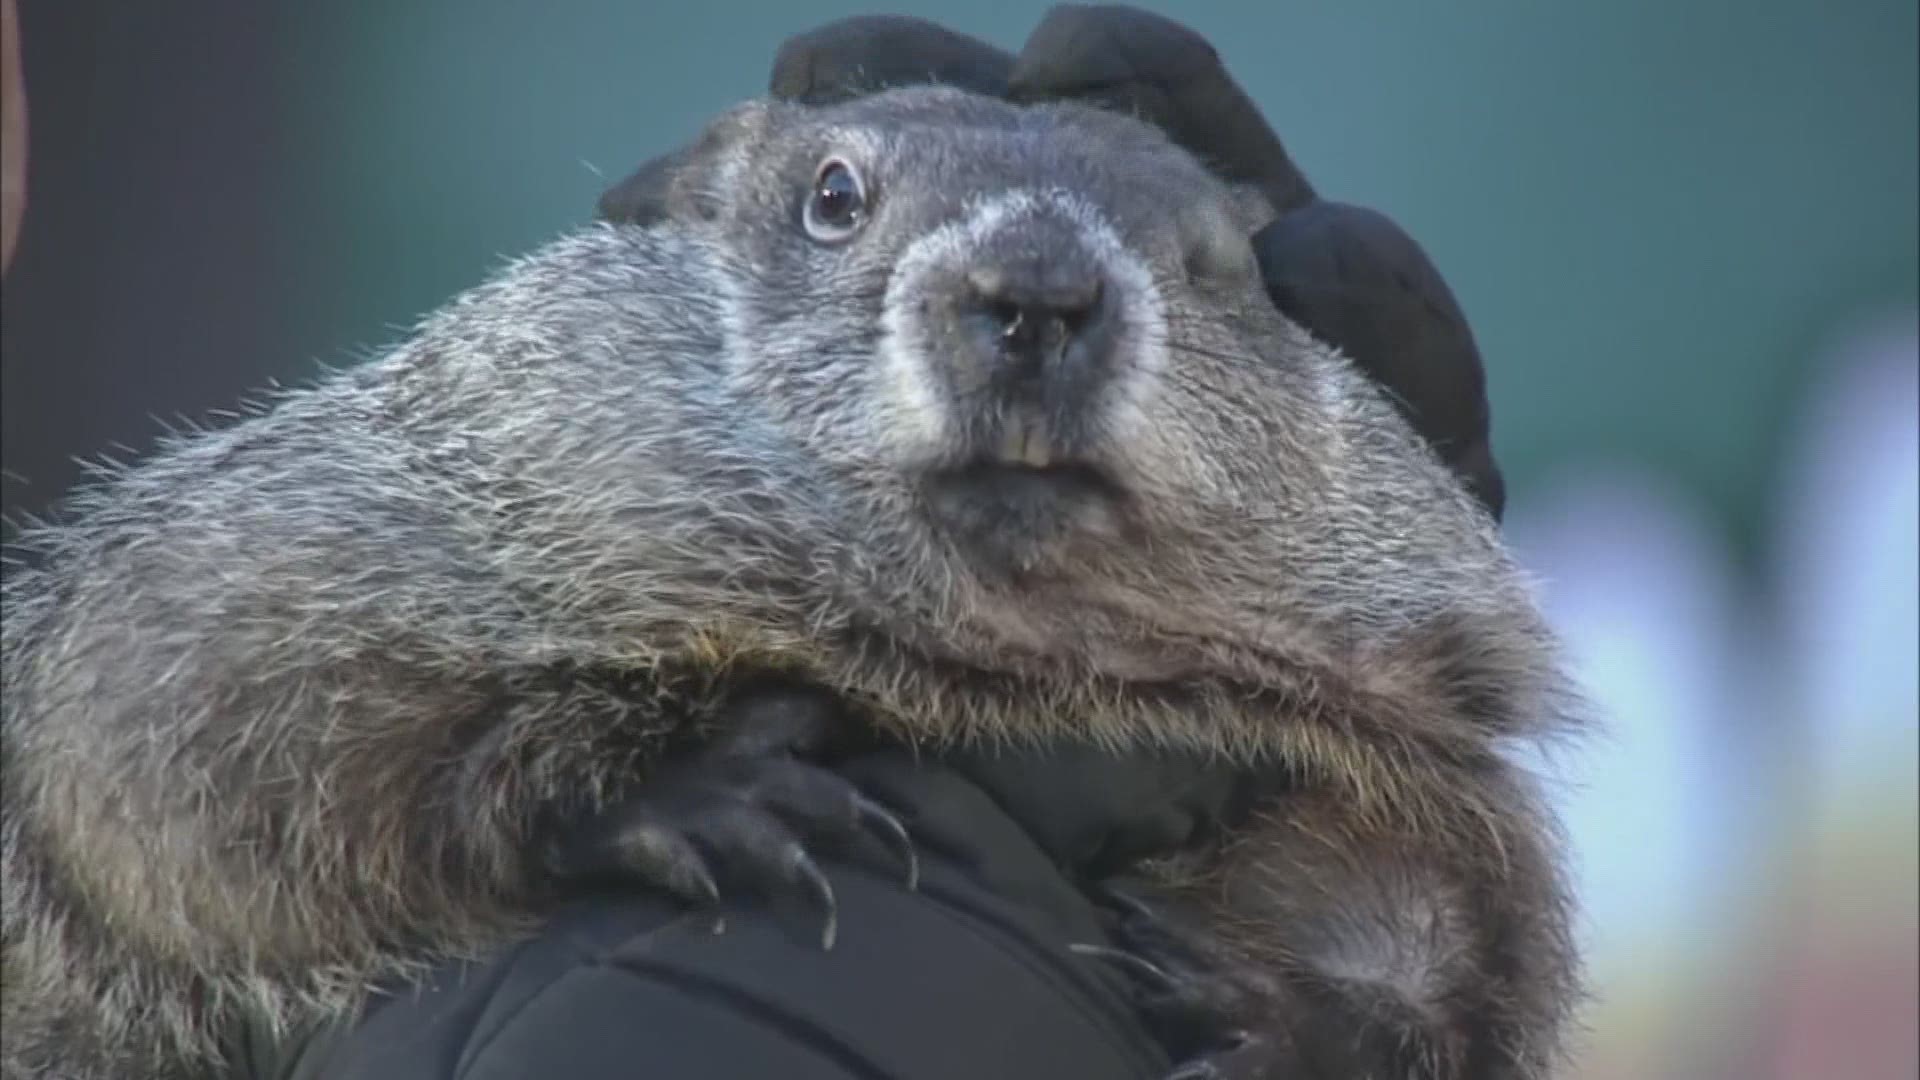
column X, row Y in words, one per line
column 837, row 206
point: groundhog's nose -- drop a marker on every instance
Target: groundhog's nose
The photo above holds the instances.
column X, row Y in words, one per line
column 1040, row 315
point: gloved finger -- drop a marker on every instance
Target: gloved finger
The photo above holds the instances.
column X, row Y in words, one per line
column 858, row 55
column 1148, row 65
column 1356, row 280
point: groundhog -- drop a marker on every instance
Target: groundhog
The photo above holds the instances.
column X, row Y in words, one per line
column 972, row 416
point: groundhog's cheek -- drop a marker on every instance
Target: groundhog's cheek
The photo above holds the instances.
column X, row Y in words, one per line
column 915, row 421
column 1157, row 449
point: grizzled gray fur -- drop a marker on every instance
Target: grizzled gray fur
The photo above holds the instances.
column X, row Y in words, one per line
column 283, row 702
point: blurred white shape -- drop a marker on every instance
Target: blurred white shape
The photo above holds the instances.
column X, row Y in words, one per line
column 1643, row 593
column 1849, row 586
column 1849, row 565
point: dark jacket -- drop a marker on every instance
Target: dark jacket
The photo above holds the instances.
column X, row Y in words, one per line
column 967, row 978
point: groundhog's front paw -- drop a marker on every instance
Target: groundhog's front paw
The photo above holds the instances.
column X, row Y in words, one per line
column 1197, row 1006
column 741, row 812
column 1195, row 1015
column 1220, row 1020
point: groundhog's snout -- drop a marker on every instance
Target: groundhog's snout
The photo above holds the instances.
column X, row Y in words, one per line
column 1021, row 363
column 1038, row 318
column 1031, row 319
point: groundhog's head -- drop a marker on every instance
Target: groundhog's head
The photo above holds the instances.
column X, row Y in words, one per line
column 1032, row 344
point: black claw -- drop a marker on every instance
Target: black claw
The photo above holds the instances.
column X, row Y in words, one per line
column 681, row 869
column 1138, row 968
column 874, row 814
column 630, row 844
column 805, row 868
column 743, row 811
column 1195, row 1006
column 1244, row 1058
column 1126, row 903
column 823, row 807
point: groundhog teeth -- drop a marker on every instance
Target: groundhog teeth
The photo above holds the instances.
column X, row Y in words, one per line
column 1036, row 453
column 1012, row 444
column 1025, row 443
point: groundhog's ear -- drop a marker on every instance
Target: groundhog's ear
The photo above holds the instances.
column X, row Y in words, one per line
column 693, row 181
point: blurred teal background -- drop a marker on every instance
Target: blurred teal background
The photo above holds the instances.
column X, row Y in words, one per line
column 1685, row 235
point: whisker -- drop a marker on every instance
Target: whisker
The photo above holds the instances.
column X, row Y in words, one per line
column 1245, row 360
column 1393, row 395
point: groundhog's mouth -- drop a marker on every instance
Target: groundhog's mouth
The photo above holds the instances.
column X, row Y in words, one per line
column 1021, row 518
column 1012, row 482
